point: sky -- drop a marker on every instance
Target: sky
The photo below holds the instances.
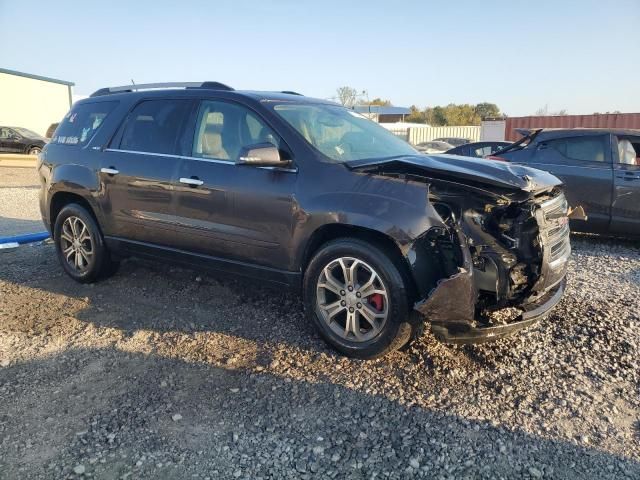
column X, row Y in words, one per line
column 580, row 56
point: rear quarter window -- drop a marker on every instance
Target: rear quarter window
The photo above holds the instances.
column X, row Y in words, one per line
column 81, row 123
column 154, row 126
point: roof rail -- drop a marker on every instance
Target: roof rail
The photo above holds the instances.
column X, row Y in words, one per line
column 291, row 92
column 152, row 86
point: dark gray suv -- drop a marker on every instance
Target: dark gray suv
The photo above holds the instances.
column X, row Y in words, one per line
column 305, row 193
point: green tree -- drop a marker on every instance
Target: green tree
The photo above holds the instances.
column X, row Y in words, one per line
column 416, row 115
column 377, row 101
column 487, row 110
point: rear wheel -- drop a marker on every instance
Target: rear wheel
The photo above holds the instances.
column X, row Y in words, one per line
column 357, row 298
column 80, row 246
column 34, row 151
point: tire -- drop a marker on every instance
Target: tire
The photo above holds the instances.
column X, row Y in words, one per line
column 34, row 151
column 328, row 305
column 88, row 259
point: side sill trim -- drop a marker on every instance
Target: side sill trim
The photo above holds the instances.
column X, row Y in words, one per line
column 233, row 267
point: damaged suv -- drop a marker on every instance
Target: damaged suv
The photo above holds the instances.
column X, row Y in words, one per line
column 308, row 194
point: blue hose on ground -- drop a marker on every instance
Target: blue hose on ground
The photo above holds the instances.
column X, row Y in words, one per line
column 27, row 238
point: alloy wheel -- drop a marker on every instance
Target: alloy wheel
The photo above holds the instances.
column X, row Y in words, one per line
column 76, row 244
column 352, row 299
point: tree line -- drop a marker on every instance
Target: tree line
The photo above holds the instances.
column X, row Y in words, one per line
column 438, row 116
column 453, row 114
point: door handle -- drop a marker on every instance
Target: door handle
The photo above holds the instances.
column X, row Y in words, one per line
column 629, row 176
column 110, row 171
column 193, row 182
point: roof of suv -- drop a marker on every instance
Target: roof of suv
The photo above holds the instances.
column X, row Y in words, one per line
column 194, row 88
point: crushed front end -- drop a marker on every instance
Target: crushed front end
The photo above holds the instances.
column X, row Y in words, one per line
column 494, row 258
column 506, row 267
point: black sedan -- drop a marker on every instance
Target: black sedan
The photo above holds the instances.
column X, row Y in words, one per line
column 478, row 149
column 20, row 140
column 600, row 168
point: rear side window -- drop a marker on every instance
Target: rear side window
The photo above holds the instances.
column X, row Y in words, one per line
column 154, row 126
column 588, row 149
column 81, row 123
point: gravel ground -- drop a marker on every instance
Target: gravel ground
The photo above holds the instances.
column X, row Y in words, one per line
column 19, row 212
column 163, row 372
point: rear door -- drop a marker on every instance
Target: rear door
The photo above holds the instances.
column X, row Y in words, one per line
column 139, row 169
column 583, row 163
column 625, row 209
column 227, row 210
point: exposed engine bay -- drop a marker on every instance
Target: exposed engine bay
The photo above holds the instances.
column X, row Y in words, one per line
column 496, row 248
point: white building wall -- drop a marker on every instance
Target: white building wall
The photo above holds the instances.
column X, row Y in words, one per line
column 32, row 103
column 492, row 130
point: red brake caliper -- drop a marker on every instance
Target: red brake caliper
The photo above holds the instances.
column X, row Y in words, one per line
column 377, row 300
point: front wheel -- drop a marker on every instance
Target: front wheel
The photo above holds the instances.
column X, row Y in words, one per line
column 357, row 298
column 80, row 246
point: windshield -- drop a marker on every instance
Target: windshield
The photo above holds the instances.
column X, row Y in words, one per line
column 26, row 132
column 341, row 134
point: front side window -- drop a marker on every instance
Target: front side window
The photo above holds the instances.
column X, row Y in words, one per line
column 341, row 134
column 81, row 123
column 154, row 126
column 25, row 132
column 588, row 149
column 224, row 129
column 629, row 150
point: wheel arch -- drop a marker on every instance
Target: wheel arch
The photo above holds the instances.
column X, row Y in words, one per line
column 61, row 199
column 386, row 243
column 33, row 145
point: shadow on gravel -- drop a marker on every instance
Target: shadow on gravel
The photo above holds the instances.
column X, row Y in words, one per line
column 201, row 336
column 114, row 412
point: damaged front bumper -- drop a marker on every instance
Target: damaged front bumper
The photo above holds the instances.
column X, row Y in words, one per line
column 469, row 331
column 451, row 307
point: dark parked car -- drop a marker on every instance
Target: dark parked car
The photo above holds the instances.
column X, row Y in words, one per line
column 308, row 194
column 433, row 147
column 20, row 140
column 453, row 141
column 478, row 149
column 600, row 168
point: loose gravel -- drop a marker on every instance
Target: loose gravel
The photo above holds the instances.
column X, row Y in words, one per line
column 164, row 372
column 19, row 211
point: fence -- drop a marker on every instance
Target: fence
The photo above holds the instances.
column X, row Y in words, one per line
column 416, row 135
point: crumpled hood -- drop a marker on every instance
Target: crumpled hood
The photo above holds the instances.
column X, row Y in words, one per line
column 469, row 170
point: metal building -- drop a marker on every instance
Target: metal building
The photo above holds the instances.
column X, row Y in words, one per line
column 383, row 113
column 31, row 101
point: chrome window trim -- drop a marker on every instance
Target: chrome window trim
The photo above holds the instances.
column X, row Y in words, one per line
column 210, row 160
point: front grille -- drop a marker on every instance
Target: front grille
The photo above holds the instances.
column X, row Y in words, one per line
column 553, row 225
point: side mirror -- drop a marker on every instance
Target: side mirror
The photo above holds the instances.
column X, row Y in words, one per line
column 262, row 155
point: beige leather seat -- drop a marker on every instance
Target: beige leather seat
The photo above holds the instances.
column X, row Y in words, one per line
column 626, row 152
column 212, row 143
